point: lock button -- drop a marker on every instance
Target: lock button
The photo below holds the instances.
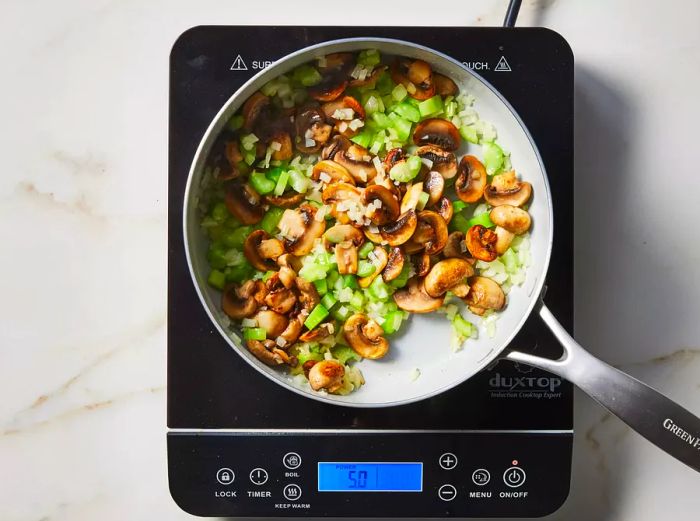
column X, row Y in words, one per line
column 225, row 476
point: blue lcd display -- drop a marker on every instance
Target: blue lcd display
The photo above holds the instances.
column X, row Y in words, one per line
column 370, row 477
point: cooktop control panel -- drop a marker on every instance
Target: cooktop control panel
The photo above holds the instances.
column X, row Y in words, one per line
column 369, row 474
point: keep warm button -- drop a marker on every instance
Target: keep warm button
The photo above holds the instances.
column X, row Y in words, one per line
column 514, row 477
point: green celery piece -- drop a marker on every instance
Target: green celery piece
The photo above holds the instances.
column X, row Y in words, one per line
column 431, row 106
column 254, row 333
column 318, row 313
column 365, row 268
column 261, row 183
column 363, row 139
column 365, row 249
column 281, row 183
column 407, row 111
column 344, row 354
column 236, row 238
column 219, row 212
column 271, row 219
column 493, row 157
column 217, row 279
column 483, row 219
column 321, row 286
column 328, row 300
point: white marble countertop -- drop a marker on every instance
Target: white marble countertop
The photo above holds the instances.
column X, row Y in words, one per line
column 82, row 221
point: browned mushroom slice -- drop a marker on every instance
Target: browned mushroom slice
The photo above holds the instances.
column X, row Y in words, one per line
column 411, row 197
column 237, row 301
column 331, row 87
column 415, row 299
column 394, row 265
column 311, row 129
column 329, row 171
column 272, row 322
column 481, row 243
column 383, row 204
column 514, row 219
column 280, row 297
column 379, row 258
column 392, row 157
column 438, row 228
column 456, row 248
column 344, row 233
column 326, row 374
column 434, row 184
column 300, row 229
column 285, row 146
column 260, row 250
column 244, row 203
column 401, row 230
column 346, row 257
column 253, row 108
column 337, row 63
column 373, row 236
column 485, row 294
column 471, row 179
column 284, row 201
column 444, row 86
column 445, row 275
column 422, row 264
column 335, row 145
column 260, row 292
column 317, row 333
column 293, row 330
column 265, row 352
column 369, row 80
column 443, row 161
column 439, row 132
column 445, row 209
column 460, row 290
column 415, row 75
column 357, row 162
column 290, row 261
column 365, row 336
column 336, row 193
column 507, row 189
column 308, row 296
column 504, row 239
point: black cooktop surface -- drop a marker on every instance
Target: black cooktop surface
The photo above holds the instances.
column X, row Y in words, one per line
column 210, row 386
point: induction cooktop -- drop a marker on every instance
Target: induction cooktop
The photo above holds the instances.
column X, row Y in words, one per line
column 498, row 445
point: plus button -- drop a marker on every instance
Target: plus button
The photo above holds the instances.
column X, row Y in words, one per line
column 448, row 461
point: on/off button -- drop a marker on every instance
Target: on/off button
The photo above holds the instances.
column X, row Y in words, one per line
column 514, row 477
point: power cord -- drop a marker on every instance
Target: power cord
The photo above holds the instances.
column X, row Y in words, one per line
column 512, row 13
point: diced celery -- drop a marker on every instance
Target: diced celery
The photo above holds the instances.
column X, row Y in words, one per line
column 365, row 249
column 341, row 313
column 254, row 333
column 216, row 256
column 493, row 157
column 235, row 122
column 431, row 106
column 313, row 271
column 459, row 223
column 401, row 125
column 236, row 238
column 392, row 322
column 333, row 276
column 462, row 327
column 312, row 354
column 240, row 273
column 407, row 111
column 382, row 120
column 379, row 289
column 261, row 184
column 344, row 354
column 271, row 219
column 422, row 201
column 369, row 57
column 373, row 104
column 384, row 84
column 321, row 286
column 350, row 281
column 510, row 260
column 307, row 75
column 298, row 181
column 399, row 92
column 274, row 173
column 328, row 300
column 316, row 316
column 357, row 300
column 219, row 212
column 217, row 279
column 402, row 279
column 458, row 206
column 281, row 183
column 249, row 157
column 469, row 134
column 365, row 268
column 483, row 219
column 363, row 139
column 248, row 141
column 267, row 275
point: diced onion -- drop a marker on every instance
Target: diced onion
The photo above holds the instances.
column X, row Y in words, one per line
column 427, row 162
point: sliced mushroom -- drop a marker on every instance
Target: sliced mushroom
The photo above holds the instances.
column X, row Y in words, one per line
column 357, row 162
column 260, row 292
column 332, row 170
column 415, row 299
column 512, row 218
column 507, row 189
column 443, row 161
column 331, row 87
column 460, row 290
column 384, row 204
column 444, row 86
column 445, row 275
column 290, row 261
column 265, row 352
column 286, row 149
column 260, row 249
column 439, row 132
column 311, row 129
column 308, row 296
column 317, row 333
column 445, row 209
column 456, row 248
column 434, row 184
column 244, row 203
column 374, row 237
column 284, row 201
column 293, row 330
column 379, row 258
column 326, row 374
column 280, row 297
column 401, row 230
column 335, row 145
column 253, row 108
column 365, row 336
column 237, row 301
column 344, row 233
column 337, row 63
column 300, row 229
column 338, row 195
column 471, row 181
column 272, row 322
column 411, row 197
column 481, row 243
column 422, row 264
column 437, row 240
column 504, row 238
column 415, row 75
column 485, row 294
column 392, row 157
column 346, row 257
column 394, row 265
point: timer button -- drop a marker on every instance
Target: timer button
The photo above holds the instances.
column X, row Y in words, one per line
column 514, row 477
column 258, row 476
column 448, row 461
column 447, row 492
column 292, row 492
column 225, row 476
column 292, row 460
